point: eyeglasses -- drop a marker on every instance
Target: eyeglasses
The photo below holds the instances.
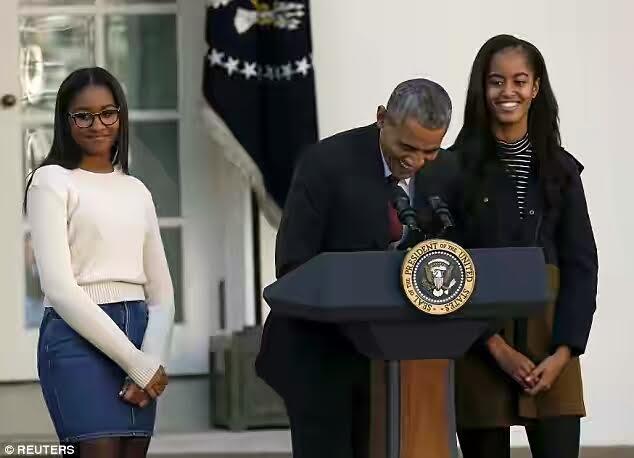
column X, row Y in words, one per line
column 85, row 119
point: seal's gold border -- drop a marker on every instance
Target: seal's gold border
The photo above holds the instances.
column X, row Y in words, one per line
column 409, row 264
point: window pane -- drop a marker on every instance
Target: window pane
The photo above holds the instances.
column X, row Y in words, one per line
column 154, row 160
column 34, row 301
column 141, row 52
column 36, row 145
column 50, row 48
column 174, row 253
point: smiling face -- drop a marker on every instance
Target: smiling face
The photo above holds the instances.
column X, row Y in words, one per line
column 510, row 88
column 99, row 138
column 407, row 145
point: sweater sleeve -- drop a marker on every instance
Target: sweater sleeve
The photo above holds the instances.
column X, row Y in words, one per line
column 47, row 215
column 159, row 291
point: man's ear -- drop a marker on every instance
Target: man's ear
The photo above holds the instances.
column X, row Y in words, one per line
column 381, row 114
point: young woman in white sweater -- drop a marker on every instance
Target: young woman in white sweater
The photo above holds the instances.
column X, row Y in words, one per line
column 109, row 298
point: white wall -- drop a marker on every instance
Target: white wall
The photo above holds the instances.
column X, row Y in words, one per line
column 362, row 49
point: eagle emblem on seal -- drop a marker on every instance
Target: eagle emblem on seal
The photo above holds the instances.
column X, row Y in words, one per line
column 438, row 277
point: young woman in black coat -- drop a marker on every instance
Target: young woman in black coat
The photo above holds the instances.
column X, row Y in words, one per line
column 522, row 188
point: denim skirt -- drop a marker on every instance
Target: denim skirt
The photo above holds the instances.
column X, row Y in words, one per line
column 81, row 385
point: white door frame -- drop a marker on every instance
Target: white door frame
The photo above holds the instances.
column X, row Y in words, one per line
column 17, row 347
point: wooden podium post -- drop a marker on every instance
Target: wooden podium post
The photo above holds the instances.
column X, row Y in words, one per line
column 427, row 409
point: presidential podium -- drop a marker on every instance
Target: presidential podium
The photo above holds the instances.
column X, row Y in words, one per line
column 362, row 292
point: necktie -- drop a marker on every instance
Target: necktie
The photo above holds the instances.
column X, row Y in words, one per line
column 395, row 228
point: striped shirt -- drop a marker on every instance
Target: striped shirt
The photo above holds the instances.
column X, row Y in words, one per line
column 517, row 158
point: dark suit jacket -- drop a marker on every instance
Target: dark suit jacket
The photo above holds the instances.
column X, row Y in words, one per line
column 337, row 202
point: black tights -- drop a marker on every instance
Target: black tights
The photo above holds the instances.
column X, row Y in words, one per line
column 113, row 447
column 556, row 437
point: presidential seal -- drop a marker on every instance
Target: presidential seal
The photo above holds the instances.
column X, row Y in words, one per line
column 438, row 276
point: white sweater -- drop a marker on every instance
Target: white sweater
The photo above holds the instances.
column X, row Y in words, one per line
column 96, row 241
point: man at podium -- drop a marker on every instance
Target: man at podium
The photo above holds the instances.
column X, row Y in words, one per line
column 340, row 200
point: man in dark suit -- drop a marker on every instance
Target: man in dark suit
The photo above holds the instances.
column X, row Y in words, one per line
column 339, row 201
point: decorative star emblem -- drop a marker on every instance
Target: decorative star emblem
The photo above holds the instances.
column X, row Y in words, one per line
column 232, row 65
column 249, row 70
column 268, row 73
column 218, row 3
column 302, row 66
column 216, row 57
column 287, row 71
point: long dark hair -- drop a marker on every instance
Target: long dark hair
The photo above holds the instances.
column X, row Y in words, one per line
column 543, row 116
column 65, row 152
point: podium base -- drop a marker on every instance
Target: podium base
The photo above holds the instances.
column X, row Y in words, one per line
column 427, row 414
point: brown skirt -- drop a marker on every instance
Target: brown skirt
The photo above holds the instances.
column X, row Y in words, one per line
column 486, row 397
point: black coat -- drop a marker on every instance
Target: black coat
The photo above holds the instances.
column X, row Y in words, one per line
column 556, row 219
column 337, row 202
column 559, row 224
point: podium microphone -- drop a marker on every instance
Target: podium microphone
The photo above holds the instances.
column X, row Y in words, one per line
column 406, row 214
column 442, row 214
